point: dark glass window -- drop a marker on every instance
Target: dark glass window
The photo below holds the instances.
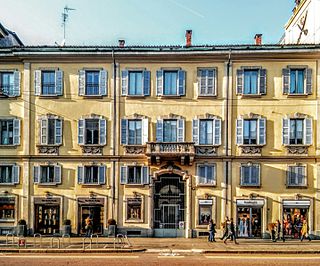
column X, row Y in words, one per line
column 92, row 82
column 48, row 82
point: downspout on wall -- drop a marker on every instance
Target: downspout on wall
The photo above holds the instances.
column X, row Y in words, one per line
column 113, row 184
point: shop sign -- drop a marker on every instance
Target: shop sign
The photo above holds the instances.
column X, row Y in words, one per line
column 181, row 225
column 47, row 201
column 91, row 201
column 250, row 203
column 134, row 201
column 205, row 202
column 296, row 203
column 7, row 200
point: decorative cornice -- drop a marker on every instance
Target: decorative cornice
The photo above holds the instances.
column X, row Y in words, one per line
column 48, row 149
column 92, row 150
column 135, row 116
column 172, row 116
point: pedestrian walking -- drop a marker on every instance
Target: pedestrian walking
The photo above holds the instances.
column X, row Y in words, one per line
column 231, row 232
column 278, row 225
column 272, row 230
column 212, row 231
column 304, row 231
column 225, row 228
column 88, row 225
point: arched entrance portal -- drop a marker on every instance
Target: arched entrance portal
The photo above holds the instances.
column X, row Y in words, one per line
column 169, row 206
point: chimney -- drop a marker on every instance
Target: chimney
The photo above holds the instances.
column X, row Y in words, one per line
column 121, row 43
column 258, row 39
column 188, row 38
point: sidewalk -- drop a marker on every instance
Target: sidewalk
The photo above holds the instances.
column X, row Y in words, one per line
column 166, row 245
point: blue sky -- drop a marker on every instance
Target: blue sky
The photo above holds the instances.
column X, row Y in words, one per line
column 146, row 22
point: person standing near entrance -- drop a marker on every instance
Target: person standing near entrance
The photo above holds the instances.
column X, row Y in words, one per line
column 225, row 228
column 231, row 232
column 304, row 231
column 212, row 231
column 88, row 225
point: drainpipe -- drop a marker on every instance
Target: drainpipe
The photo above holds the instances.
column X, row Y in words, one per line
column 114, row 133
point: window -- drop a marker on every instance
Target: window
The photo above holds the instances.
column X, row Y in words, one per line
column 251, row 81
column 205, row 211
column 297, row 81
column 134, row 209
column 206, row 131
column 171, row 82
column 206, row 174
column 134, row 131
column 135, row 83
column 207, row 82
column 48, row 82
column 170, row 130
column 9, row 174
column 251, row 131
column 250, row 175
column 297, row 131
column 7, row 209
column 51, row 131
column 93, row 82
column 134, row 175
column 92, row 174
column 10, row 83
column 92, row 131
column 10, row 132
column 297, row 176
column 47, row 174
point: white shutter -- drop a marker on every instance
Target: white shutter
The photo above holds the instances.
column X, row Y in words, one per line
column 217, row 131
column 37, row 82
column 285, row 131
column 124, row 131
column 239, row 130
column 81, row 128
column 16, row 131
column 103, row 131
column 159, row 82
column 58, row 131
column 308, row 78
column 82, row 82
column 145, row 175
column 16, row 85
column 102, row 175
column 124, row 82
column 59, row 82
column 240, row 81
column 285, row 80
column 103, row 81
column 308, row 131
column 123, row 175
column 57, row 174
column 36, row 174
column 159, row 133
column 43, row 131
column 145, row 130
column 195, row 131
column 16, row 174
column 180, row 130
column 80, row 174
column 262, row 131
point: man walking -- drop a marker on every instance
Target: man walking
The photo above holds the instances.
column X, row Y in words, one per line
column 225, row 228
column 212, row 231
column 231, row 232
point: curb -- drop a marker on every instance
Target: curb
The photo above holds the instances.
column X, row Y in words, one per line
column 71, row 251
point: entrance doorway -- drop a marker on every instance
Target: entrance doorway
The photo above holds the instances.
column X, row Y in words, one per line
column 249, row 222
column 47, row 219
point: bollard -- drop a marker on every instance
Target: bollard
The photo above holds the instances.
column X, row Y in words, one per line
column 7, row 238
column 63, row 238
column 57, row 238
column 35, row 236
column 96, row 236
column 84, row 242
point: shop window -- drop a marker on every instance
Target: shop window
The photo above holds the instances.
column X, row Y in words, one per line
column 205, row 211
column 50, row 131
column 297, row 176
column 9, row 132
column 171, row 82
column 47, row 219
column 206, row 174
column 206, row 131
column 297, row 81
column 7, row 209
column 134, row 210
column 92, row 175
column 47, row 174
column 9, row 174
column 251, row 131
column 10, row 83
column 135, row 83
column 92, row 131
column 293, row 217
column 134, row 175
column 48, row 82
column 93, row 82
column 207, row 81
column 249, row 221
column 250, row 175
column 134, row 131
column 251, row 81
column 170, row 130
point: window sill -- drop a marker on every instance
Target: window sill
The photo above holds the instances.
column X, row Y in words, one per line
column 297, row 95
column 10, row 146
column 135, row 185
column 207, row 96
column 134, row 221
column 9, row 97
column 297, row 145
column 206, row 185
column 91, row 185
column 136, row 96
column 170, row 96
column 250, row 186
column 251, row 95
column 296, row 186
column 250, row 145
column 46, row 184
column 7, row 220
column 93, row 96
column 49, row 96
column 8, row 184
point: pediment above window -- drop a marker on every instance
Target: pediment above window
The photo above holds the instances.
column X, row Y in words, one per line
column 172, row 116
column 136, row 116
column 297, row 115
column 92, row 116
column 207, row 116
column 50, row 116
column 251, row 116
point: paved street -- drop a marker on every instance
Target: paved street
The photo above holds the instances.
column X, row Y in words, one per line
column 155, row 259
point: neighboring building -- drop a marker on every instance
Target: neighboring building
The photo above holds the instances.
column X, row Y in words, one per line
column 304, row 25
column 8, row 38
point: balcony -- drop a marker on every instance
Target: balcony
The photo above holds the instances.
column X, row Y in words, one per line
column 158, row 152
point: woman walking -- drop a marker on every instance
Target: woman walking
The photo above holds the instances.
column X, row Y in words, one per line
column 304, row 231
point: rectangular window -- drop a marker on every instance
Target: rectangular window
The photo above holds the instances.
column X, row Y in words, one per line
column 135, row 83
column 297, row 81
column 92, row 131
column 206, row 132
column 170, row 130
column 207, row 80
column 47, row 174
column 206, row 174
column 7, row 209
column 6, row 132
column 170, row 83
column 134, row 132
column 250, row 175
column 7, row 82
column 297, row 176
column 134, row 175
column 48, row 86
column 91, row 175
column 250, row 131
column 6, row 174
column 296, row 131
column 250, row 82
column 92, row 83
column 134, row 209
column 205, row 211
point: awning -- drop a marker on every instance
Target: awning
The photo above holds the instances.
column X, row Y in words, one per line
column 296, row 203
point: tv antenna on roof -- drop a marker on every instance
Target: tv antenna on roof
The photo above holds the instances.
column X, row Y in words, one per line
column 65, row 16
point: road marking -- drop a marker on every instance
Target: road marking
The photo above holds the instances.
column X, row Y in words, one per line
column 71, row 257
column 262, row 257
column 170, row 257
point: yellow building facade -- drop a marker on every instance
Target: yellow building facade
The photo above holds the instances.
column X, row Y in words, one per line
column 160, row 139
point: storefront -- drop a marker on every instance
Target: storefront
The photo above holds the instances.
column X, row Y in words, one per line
column 205, row 211
column 47, row 215
column 294, row 212
column 93, row 208
column 249, row 217
column 8, row 208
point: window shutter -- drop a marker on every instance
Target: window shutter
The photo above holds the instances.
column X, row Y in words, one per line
column 308, row 131
column 201, row 84
column 16, row 174
column 180, row 128
column 239, row 131
column 103, row 81
column 36, row 174
column 123, row 175
column 159, row 134
column 211, row 82
column 159, row 82
column 16, row 131
column 262, row 131
column 146, row 83
column 182, row 82
column 145, row 130
column 124, row 133
column 82, row 82
column 124, row 82
column 37, row 82
column 43, row 131
column 263, row 81
column 195, row 131
column 308, row 76
column 285, row 131
column 80, row 174
column 57, row 174
column 258, row 174
column 16, row 85
column 217, row 131
column 240, row 74
column 145, row 175
column 59, row 82
column 102, row 175
column 103, row 131
column 81, row 123
column 242, row 175
column 286, row 80
column 58, row 131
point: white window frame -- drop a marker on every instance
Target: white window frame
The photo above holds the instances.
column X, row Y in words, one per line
column 15, row 92
column 44, row 130
column 250, row 184
column 37, row 174
column 206, row 81
column 14, row 171
column 261, row 131
column 16, row 131
column 206, row 180
column 102, row 83
column 58, row 82
column 307, row 138
column 124, row 175
column 125, row 130
column 101, row 131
